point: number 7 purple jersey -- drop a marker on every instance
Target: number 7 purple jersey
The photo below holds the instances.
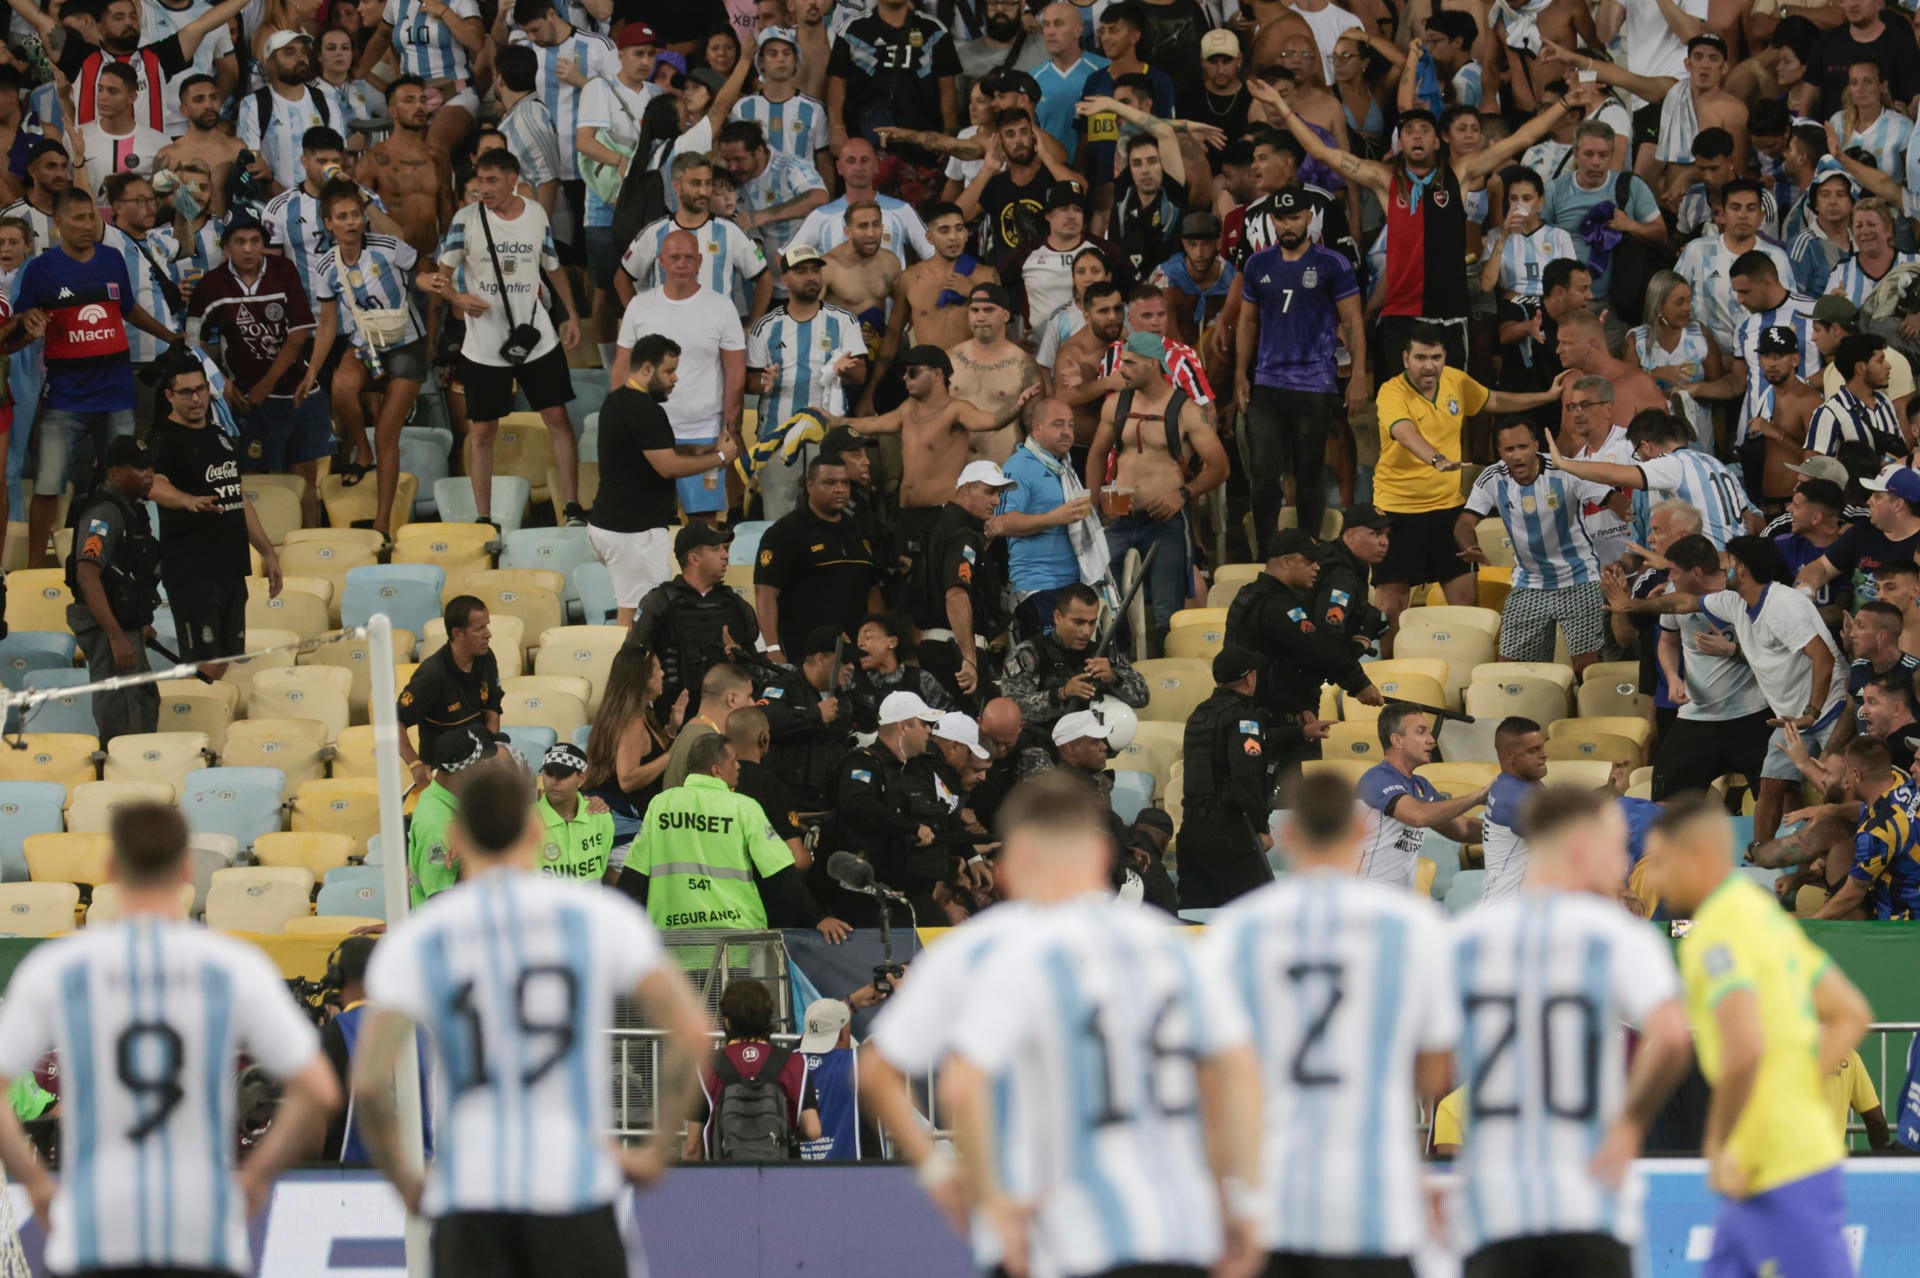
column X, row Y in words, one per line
column 1299, row 316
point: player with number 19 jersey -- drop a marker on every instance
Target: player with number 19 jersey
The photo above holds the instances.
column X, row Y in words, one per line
column 1346, row 982
column 149, row 1018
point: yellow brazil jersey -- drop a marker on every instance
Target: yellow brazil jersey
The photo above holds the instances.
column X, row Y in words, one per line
column 1402, row 483
column 1850, row 1090
column 1742, row 940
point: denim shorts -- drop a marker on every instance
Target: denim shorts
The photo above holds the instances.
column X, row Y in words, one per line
column 59, row 436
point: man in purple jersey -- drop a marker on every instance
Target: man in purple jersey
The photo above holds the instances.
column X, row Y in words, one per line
column 1300, row 299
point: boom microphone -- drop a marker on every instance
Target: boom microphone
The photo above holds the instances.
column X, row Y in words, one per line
column 850, row 872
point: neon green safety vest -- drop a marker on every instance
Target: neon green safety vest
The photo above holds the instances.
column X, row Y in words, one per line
column 430, row 866
column 576, row 849
column 699, row 847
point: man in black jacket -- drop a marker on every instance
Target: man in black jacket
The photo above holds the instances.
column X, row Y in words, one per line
column 1233, row 748
column 873, row 804
column 1340, row 596
column 812, row 731
column 1274, row 616
column 695, row 620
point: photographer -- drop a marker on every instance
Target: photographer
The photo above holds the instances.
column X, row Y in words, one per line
column 740, row 1117
column 346, row 982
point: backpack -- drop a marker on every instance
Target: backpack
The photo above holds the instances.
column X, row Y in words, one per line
column 263, row 107
column 1175, row 402
column 1634, row 264
column 643, row 192
column 750, row 1118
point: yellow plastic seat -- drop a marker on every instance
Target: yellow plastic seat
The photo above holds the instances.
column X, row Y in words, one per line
column 340, row 925
column 303, row 613
column 1454, row 779
column 91, row 804
column 1195, row 643
column 37, row 599
column 1155, row 748
column 1437, row 616
column 37, row 909
column 329, row 559
column 354, row 656
column 254, row 907
column 436, row 542
column 254, row 481
column 1332, row 521
column 1220, row 594
column 1350, row 770
column 1175, row 687
column 348, row 506
column 348, row 806
column 188, row 705
column 354, row 755
column 1459, row 645
column 1353, row 739
column 544, row 708
column 584, row 652
column 1242, row 573
column 508, row 645
column 1583, row 774
column 1612, row 696
column 537, row 610
column 304, row 692
column 109, row 902
column 1214, row 618
column 165, row 757
column 367, row 539
column 1425, row 870
column 1549, row 670
column 524, row 447
column 1493, row 539
column 295, row 746
column 63, row 757
column 313, row 851
column 1541, row 700
column 241, row 674
column 1635, row 729
column 277, row 509
column 1401, row 682
column 1596, row 745
column 68, row 858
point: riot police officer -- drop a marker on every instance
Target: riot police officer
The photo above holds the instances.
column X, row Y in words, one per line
column 869, row 504
column 1233, row 748
column 114, row 574
column 1052, row 674
column 958, row 593
column 693, row 621
column 1340, row 597
column 875, row 815
column 1274, row 616
column 810, row 725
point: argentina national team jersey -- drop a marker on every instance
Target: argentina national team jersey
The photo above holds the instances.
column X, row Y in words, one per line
column 1885, row 138
column 273, row 126
column 1705, row 483
column 784, row 180
column 901, row 230
column 1544, row 981
column 1524, row 258
column 1504, row 836
column 1100, row 1010
column 1704, row 264
column 1545, row 520
column 1851, row 280
column 377, row 280
column 1345, row 983
column 148, row 260
column 798, row 351
column 293, row 224
column 725, row 250
column 1796, row 311
column 1391, row 846
column 796, row 127
column 592, row 55
column 529, row 131
column 149, row 1018
column 425, row 45
column 514, row 975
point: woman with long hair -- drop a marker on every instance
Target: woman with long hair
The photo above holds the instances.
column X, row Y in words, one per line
column 1866, row 117
column 1675, row 350
column 627, row 749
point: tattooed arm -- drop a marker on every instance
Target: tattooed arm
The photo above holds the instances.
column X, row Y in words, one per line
column 1348, row 165
column 1811, row 840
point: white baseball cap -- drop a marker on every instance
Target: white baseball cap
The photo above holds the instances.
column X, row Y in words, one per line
column 902, row 706
column 281, row 39
column 955, row 726
column 983, row 472
column 1081, row 723
column 826, row 1017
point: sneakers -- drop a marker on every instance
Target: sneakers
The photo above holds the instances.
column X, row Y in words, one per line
column 576, row 515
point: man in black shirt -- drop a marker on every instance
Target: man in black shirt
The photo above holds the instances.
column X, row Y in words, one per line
column 811, row 728
column 959, row 594
column 869, row 504
column 893, row 67
column 1009, row 193
column 1171, row 40
column 637, row 507
column 203, row 552
column 1865, row 38
column 695, row 620
column 457, row 686
column 113, row 574
column 816, row 565
column 1221, row 98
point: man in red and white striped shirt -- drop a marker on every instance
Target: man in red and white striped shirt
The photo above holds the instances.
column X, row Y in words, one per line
column 1147, row 313
column 119, row 30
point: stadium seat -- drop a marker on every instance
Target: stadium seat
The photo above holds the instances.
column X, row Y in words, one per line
column 508, row 644
column 1596, row 745
column 309, row 850
column 26, row 808
column 1464, row 892
column 68, row 858
column 1351, row 770
column 37, row 909
column 294, row 745
column 242, row 803
column 588, row 484
column 1461, row 645
column 1155, row 748
column 109, row 900
column 62, row 757
column 165, row 757
column 427, row 462
column 558, row 550
column 189, row 705
column 14, row 557
column 1582, row 774
column 358, row 504
column 355, row 539
column 1173, row 795
column 1220, row 594
column 256, row 481
column 37, row 599
column 1492, row 585
column 1612, row 694
column 303, row 613
column 330, row 560
column 1434, row 616
column 363, row 899
column 1540, row 700
column 23, row 652
column 1551, row 671
column 524, row 447
column 1494, row 542
column 258, row 906
column 1175, row 686
column 354, row 754
column 277, row 509
column 594, row 584
column 1199, row 643
column 351, row 873
column 581, row 735
column 303, row 692
column 1454, row 779
column 65, row 711
column 511, row 493
column 1132, row 791
column 1212, row 618
column 459, row 548
column 350, row 807
column 337, row 927
column 1424, row 872
column 541, row 707
column 1352, row 739
column 351, row 655
column 532, row 742
column 91, row 804
column 410, row 595
column 1424, row 683
column 1634, row 728
column 247, row 875
column 373, row 851
column 537, row 609
column 1641, row 776
column 586, row 652
column 275, row 645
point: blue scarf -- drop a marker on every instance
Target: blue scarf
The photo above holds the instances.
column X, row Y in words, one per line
column 1175, row 269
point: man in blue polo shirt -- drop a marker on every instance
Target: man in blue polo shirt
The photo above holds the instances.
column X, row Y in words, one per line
column 1063, row 76
column 1043, row 517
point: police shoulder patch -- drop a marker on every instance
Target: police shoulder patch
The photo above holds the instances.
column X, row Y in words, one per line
column 1028, row 662
column 967, row 553
column 97, row 526
column 1250, row 726
column 773, row 694
column 861, row 775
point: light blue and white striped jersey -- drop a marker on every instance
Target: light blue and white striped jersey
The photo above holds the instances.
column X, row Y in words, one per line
column 799, row 351
column 379, row 279
column 201, row 256
column 784, row 179
column 529, row 131
column 1544, row 980
column 728, row 252
column 427, row 47
column 1056, row 328
column 608, row 104
column 1843, row 418
column 1815, row 256
column 901, row 229
column 1505, row 843
column 1101, row 1009
column 42, row 224
column 148, row 259
column 914, row 1032
column 514, row 975
column 1851, row 279
column 1703, row 265
column 271, row 126
column 1694, row 215
column 796, row 127
column 593, row 55
column 1524, row 257
column 292, row 219
column 1392, row 847
column 1345, row 983
column 1546, row 521
column 1467, row 90
column 148, row 1018
column 1796, row 311
column 1703, row 482
column 1885, row 138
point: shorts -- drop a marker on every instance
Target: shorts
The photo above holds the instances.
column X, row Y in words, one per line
column 1778, row 767
column 1284, row 1264
column 279, row 433
column 57, row 439
column 500, row 1244
column 1793, row 1229
column 637, row 562
column 696, row 497
column 1527, row 623
column 1562, row 1255
column 209, row 618
column 407, row 363
column 1422, row 550
column 545, row 381
column 603, row 257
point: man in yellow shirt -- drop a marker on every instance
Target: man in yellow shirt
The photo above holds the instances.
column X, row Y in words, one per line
column 1850, row 1090
column 1773, row 1019
column 1421, row 414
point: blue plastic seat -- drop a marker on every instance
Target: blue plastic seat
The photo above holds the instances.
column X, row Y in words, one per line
column 580, row 735
column 558, row 550
column 356, row 874
column 424, row 459
column 373, row 851
column 746, row 541
column 27, row 807
column 1464, row 892
column 590, row 391
column 1132, row 791
column 243, row 803
column 408, row 593
column 68, row 712
column 532, row 742
column 25, row 651
column 511, row 493
column 353, row 897
column 593, row 583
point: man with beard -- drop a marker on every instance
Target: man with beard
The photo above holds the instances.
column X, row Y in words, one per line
column 929, row 297
column 1040, row 275
column 991, row 372
column 1008, row 191
column 1080, row 384
column 273, row 120
column 204, row 140
column 726, row 250
column 49, row 172
column 802, row 354
column 859, row 274
column 1783, row 412
column 412, row 180
column 901, row 230
column 118, row 27
column 1003, row 45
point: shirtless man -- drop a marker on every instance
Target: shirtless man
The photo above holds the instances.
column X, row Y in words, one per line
column 1076, row 370
column 991, row 372
column 203, row 140
column 1133, row 424
column 413, row 179
column 860, row 273
column 1699, row 94
column 1785, row 429
column 928, row 297
column 1583, row 348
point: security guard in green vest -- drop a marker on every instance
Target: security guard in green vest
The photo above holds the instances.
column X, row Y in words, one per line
column 459, row 754
column 575, row 840
column 1233, row 748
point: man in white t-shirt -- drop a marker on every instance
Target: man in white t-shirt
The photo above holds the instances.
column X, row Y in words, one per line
column 1722, row 724
column 506, row 245
column 713, row 364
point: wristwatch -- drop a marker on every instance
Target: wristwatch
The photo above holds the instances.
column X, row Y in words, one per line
column 1186, row 495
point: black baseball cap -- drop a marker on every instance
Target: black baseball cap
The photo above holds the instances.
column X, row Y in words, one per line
column 698, row 534
column 1707, row 38
column 1200, row 225
column 819, row 639
column 1232, row 664
column 925, row 356
column 1421, row 115
column 1291, row 541
column 1365, row 516
column 841, row 440
column 125, row 450
column 1011, row 81
column 1066, row 195
column 240, row 222
column 990, row 293
column 1779, row 339
column 1291, row 199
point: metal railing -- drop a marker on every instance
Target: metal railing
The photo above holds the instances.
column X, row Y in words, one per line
column 636, row 1064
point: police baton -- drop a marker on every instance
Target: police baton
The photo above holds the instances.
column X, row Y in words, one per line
column 174, row 657
column 1126, row 601
column 1436, row 711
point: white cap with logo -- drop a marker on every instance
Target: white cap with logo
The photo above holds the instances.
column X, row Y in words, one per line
column 1081, row 723
column 902, row 706
column 983, row 472
column 826, row 1017
column 955, row 726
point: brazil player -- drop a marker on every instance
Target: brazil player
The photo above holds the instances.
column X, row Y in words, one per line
column 1136, row 1152
column 1348, row 984
column 149, row 1015
column 514, row 973
column 1773, row 1019
column 1545, row 979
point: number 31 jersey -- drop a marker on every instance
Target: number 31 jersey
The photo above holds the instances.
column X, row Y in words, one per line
column 149, row 1018
column 514, row 976
column 1545, row 981
column 1345, row 981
